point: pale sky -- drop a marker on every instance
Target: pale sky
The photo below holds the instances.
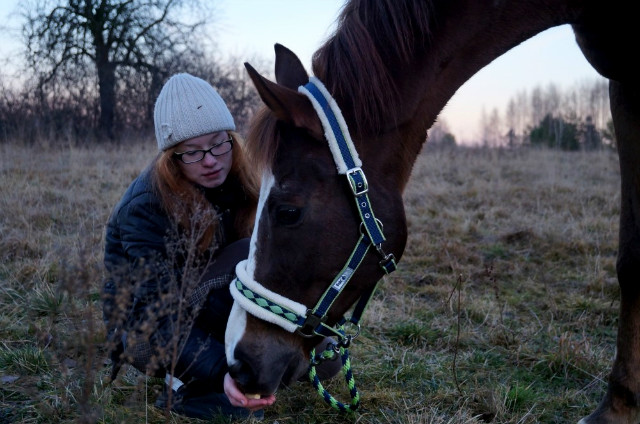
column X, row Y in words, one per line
column 250, row 28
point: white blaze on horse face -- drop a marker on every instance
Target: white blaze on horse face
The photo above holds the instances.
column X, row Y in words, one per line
column 267, row 184
column 235, row 329
column 238, row 317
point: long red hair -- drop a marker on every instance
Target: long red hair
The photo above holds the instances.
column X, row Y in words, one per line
column 183, row 201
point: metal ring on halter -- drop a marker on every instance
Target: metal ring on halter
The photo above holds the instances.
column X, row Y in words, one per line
column 357, row 326
column 379, row 224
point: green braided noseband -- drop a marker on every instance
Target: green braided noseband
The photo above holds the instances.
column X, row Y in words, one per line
column 348, row 375
column 265, row 303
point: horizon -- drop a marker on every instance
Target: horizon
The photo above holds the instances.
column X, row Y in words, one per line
column 250, row 28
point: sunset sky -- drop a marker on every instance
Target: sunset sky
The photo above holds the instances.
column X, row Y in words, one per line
column 250, row 28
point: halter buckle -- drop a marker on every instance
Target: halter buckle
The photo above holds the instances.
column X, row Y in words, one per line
column 357, row 181
column 308, row 328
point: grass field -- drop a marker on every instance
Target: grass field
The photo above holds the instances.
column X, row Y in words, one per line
column 503, row 309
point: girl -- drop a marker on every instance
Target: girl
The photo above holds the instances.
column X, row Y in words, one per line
column 172, row 243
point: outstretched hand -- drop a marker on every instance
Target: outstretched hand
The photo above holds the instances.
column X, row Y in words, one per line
column 237, row 398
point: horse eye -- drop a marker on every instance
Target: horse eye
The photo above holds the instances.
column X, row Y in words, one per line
column 288, row 215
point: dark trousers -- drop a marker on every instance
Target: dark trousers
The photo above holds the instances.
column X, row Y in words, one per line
column 203, row 355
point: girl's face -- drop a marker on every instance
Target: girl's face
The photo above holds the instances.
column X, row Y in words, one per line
column 211, row 170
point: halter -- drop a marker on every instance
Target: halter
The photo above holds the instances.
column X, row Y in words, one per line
column 293, row 316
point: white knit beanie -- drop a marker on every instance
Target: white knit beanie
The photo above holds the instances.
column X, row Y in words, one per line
column 189, row 107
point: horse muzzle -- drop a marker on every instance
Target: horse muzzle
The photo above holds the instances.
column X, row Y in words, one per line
column 261, row 356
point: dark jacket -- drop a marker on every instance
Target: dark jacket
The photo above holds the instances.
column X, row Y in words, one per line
column 146, row 292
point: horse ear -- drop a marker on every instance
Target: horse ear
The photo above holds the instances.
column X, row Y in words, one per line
column 290, row 71
column 287, row 104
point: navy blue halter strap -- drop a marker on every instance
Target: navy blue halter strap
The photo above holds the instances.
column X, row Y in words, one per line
column 338, row 136
column 348, row 163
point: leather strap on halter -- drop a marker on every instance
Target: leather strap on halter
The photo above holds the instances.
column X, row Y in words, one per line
column 348, row 163
column 344, row 152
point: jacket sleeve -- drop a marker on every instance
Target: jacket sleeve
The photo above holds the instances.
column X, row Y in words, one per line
column 143, row 231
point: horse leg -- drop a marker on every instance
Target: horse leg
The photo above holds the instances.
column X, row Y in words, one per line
column 621, row 404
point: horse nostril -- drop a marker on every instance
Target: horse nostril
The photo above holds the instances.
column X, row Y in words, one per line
column 242, row 373
column 256, row 368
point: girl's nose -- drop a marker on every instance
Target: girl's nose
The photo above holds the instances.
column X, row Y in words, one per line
column 209, row 159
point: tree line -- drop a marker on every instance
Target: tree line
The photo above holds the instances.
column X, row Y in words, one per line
column 92, row 69
column 577, row 118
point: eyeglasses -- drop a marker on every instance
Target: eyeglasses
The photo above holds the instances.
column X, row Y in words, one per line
column 193, row 156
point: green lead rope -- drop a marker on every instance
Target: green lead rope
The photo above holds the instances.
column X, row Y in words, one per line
column 329, row 354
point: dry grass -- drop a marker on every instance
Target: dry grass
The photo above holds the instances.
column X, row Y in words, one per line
column 503, row 310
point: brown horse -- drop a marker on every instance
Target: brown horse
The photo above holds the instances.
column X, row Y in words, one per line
column 391, row 66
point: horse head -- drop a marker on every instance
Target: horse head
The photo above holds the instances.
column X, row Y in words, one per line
column 307, row 226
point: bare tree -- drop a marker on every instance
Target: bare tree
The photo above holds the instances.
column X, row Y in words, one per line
column 439, row 136
column 495, row 126
column 537, row 110
column 234, row 85
column 511, row 119
column 551, row 99
column 491, row 128
column 524, row 107
column 66, row 37
column 599, row 102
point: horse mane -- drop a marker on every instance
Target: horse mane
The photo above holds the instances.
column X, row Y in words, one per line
column 374, row 42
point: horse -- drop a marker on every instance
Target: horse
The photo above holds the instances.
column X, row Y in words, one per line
column 391, row 66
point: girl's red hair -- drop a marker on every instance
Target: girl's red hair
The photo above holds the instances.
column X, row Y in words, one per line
column 187, row 206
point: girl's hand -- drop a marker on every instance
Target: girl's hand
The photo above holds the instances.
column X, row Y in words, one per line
column 237, row 398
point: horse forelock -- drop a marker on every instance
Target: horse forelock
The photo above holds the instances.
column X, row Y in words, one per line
column 374, row 42
column 262, row 140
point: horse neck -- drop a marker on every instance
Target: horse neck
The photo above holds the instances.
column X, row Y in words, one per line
column 464, row 36
column 471, row 35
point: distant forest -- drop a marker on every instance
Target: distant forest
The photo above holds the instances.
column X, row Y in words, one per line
column 91, row 71
column 575, row 119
